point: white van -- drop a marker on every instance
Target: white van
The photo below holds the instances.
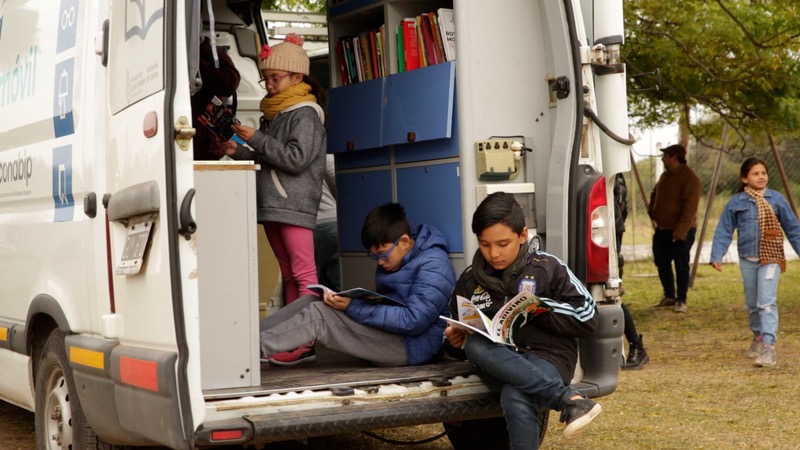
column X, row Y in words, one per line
column 130, row 273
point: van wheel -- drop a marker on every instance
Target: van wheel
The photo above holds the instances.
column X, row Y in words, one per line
column 60, row 422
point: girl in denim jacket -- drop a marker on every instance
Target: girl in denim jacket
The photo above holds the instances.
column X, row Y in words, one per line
column 761, row 216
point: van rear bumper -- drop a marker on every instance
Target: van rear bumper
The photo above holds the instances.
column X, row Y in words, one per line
column 284, row 426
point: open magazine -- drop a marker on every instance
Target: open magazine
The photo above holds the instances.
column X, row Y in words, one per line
column 364, row 294
column 506, row 322
column 218, row 118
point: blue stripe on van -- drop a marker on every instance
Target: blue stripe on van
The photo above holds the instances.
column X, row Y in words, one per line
column 62, row 184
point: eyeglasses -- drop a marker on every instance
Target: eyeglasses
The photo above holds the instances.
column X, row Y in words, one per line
column 272, row 80
column 385, row 255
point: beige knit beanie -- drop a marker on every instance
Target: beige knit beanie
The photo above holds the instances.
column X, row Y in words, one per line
column 288, row 55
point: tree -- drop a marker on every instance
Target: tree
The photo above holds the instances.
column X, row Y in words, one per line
column 733, row 61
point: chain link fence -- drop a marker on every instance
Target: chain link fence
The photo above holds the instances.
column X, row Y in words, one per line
column 713, row 170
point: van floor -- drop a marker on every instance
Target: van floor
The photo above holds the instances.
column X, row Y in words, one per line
column 335, row 370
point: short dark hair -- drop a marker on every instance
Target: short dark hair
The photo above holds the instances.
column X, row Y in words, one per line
column 384, row 224
column 499, row 207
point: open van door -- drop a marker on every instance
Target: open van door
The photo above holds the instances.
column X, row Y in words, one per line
column 149, row 165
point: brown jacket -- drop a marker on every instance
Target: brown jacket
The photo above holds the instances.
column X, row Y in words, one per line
column 673, row 203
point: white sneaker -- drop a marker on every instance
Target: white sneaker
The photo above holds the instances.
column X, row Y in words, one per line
column 767, row 358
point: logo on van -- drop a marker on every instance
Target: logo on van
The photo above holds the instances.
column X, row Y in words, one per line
column 143, row 26
column 20, row 169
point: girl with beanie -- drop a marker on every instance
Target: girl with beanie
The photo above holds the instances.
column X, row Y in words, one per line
column 290, row 147
column 761, row 216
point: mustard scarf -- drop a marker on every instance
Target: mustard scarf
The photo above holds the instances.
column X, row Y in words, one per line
column 271, row 106
column 770, row 248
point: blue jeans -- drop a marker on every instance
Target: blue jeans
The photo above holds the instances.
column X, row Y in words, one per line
column 526, row 382
column 665, row 251
column 761, row 298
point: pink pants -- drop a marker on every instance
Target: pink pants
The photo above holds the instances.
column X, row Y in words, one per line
column 294, row 248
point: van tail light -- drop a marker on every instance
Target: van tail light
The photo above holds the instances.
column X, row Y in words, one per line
column 599, row 234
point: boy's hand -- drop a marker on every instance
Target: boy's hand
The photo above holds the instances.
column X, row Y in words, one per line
column 335, row 301
column 456, row 336
column 717, row 266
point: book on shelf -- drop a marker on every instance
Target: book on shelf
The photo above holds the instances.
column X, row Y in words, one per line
column 422, row 54
column 410, row 45
column 433, row 19
column 507, row 320
column 431, row 56
column 360, row 293
column 401, row 53
column 447, row 28
column 340, row 57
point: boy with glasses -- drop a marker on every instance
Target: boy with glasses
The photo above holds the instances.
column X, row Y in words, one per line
column 413, row 269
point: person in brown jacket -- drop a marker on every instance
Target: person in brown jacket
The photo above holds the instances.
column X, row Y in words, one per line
column 673, row 207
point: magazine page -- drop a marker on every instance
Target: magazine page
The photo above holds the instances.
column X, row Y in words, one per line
column 515, row 314
column 470, row 317
column 364, row 294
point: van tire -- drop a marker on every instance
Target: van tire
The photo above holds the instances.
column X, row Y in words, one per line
column 59, row 416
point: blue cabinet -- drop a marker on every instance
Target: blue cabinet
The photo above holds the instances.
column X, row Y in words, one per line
column 358, row 193
column 354, row 116
column 413, row 106
column 431, row 194
column 418, row 105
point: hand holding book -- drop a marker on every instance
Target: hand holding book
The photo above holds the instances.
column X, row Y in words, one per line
column 506, row 322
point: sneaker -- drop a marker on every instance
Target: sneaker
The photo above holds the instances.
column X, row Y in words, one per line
column 767, row 358
column 578, row 414
column 665, row 302
column 755, row 348
column 637, row 357
column 680, row 307
column 301, row 355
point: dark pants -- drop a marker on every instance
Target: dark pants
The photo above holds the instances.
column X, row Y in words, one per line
column 665, row 252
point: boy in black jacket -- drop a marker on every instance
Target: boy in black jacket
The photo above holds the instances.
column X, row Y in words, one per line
column 536, row 374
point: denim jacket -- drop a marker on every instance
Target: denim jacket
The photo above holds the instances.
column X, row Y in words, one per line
column 741, row 213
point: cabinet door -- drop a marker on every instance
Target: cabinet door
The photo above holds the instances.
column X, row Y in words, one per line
column 354, row 116
column 418, row 105
column 358, row 193
column 432, row 194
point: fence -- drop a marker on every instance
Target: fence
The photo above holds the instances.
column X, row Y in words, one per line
column 637, row 240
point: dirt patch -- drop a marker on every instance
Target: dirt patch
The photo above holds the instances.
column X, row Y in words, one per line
column 17, row 430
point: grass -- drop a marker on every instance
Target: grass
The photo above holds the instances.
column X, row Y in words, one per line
column 699, row 390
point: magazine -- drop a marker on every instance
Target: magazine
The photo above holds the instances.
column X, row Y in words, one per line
column 363, row 294
column 218, row 118
column 506, row 322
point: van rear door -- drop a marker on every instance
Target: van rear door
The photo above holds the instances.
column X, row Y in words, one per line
column 150, row 182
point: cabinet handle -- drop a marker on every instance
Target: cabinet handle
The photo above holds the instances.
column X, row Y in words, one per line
column 350, row 146
column 411, row 136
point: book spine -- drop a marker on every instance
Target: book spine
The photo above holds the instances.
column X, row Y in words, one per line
column 423, row 57
column 411, row 51
column 448, row 29
column 427, row 38
column 342, row 63
column 437, row 37
column 401, row 52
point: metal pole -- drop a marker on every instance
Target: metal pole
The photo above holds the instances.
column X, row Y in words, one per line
column 784, row 180
column 712, row 190
column 640, row 185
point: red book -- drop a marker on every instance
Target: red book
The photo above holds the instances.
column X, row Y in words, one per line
column 427, row 40
column 410, row 43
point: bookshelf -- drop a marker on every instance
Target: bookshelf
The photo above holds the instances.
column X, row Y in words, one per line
column 349, row 18
column 395, row 137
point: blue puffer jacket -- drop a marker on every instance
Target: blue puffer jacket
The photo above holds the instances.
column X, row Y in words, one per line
column 741, row 214
column 423, row 285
